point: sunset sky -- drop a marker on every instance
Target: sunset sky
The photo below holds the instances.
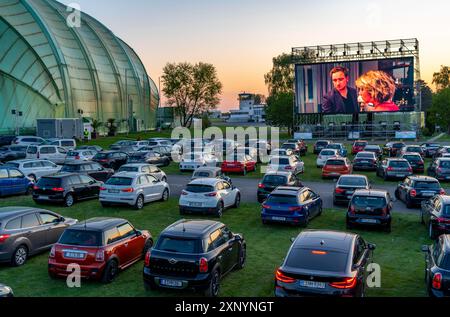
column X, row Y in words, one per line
column 240, row 37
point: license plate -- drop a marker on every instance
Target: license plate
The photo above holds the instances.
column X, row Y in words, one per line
column 400, row 175
column 113, row 191
column 171, row 283
column 195, row 204
column 278, row 218
column 312, row 284
column 448, row 177
column 43, row 198
column 73, row 255
column 365, row 162
column 369, row 221
column 427, row 194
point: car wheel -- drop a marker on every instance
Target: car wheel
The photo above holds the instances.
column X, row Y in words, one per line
column 264, row 222
column 385, row 177
column 220, row 208
column 320, row 211
column 69, row 200
column 110, row 273
column 148, row 245
column 182, row 211
column 214, row 285
column 165, row 195
column 242, row 257
column 29, row 190
column 348, row 225
column 431, row 233
column 237, row 202
column 150, row 286
column 19, row 256
column 139, row 203
column 388, row 228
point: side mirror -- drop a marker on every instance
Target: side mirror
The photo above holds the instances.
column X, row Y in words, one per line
column 138, row 233
column 425, row 248
column 371, row 247
column 292, row 240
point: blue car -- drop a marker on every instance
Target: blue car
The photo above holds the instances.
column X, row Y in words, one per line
column 340, row 147
column 291, row 205
column 14, row 182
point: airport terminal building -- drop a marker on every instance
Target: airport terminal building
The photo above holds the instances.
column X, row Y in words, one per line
column 52, row 68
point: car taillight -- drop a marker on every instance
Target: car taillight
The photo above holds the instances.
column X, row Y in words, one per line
column 413, row 193
column 77, row 157
column 289, row 168
column 439, row 170
column 52, row 252
column 352, row 210
column 443, row 220
column 148, row 255
column 339, row 190
column 35, row 188
column 102, row 188
column 58, row 189
column 261, row 186
column 442, row 192
column 283, row 278
column 211, row 194
column 390, row 169
column 347, row 283
column 410, row 169
column 128, row 190
column 437, row 281
column 298, row 208
column 184, row 193
column 100, row 256
column 266, row 207
column 4, row 237
column 203, row 265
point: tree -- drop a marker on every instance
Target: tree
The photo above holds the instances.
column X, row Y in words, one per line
column 281, row 78
column 191, row 89
column 440, row 109
column 442, row 78
column 426, row 95
column 259, row 99
column 95, row 126
column 279, row 110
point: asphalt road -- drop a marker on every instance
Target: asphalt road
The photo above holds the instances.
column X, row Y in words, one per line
column 248, row 188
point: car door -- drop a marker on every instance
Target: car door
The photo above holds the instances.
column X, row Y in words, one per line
column 134, row 244
column 144, row 185
column 53, row 225
column 221, row 249
column 60, row 155
column 360, row 262
column 309, row 204
column 156, row 187
column 34, row 231
column 19, row 183
column 78, row 187
column 232, row 249
column 228, row 194
column 5, row 183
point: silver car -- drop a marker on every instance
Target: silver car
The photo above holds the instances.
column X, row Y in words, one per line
column 144, row 168
column 133, row 189
column 80, row 155
column 35, row 169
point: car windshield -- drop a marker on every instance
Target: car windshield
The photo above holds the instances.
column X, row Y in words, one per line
column 49, row 182
column 119, row 181
column 275, row 179
column 81, row 237
column 325, row 261
column 399, row 164
column 365, row 155
column 371, row 148
column 282, row 199
column 398, row 145
column 199, row 188
column 322, row 143
column 128, row 169
column 427, row 185
column 334, row 146
column 11, row 164
column 352, row 181
column 336, row 162
column 178, row 245
column 70, row 168
column 413, row 149
column 369, row 202
column 327, row 153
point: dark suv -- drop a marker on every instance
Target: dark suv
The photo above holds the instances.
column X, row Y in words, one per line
column 435, row 215
column 416, row 189
column 111, row 159
column 94, row 170
column 275, row 179
column 437, row 267
column 320, row 145
column 346, row 187
column 370, row 208
column 440, row 169
column 194, row 254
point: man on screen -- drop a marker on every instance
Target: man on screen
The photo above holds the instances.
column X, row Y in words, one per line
column 342, row 99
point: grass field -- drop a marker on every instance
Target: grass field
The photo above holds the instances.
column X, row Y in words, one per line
column 398, row 253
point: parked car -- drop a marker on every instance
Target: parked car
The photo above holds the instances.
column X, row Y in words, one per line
column 80, row 155
column 133, row 189
column 287, row 164
column 13, row 152
column 324, row 155
column 26, row 231
column 263, row 149
column 68, row 144
column 391, row 149
column 160, row 142
column 91, row 169
column 137, row 145
column 281, row 152
column 209, row 196
column 28, row 140
column 250, row 151
column 365, row 161
column 437, row 267
column 294, row 147
column 14, row 182
column 302, row 146
column 144, row 168
column 435, row 215
column 101, row 247
column 370, row 208
column 346, row 187
column 415, row 160
column 194, row 160
column 6, row 291
column 335, row 167
column 35, row 169
column 415, row 189
column 320, row 145
column 194, row 254
column 325, row 263
column 152, row 158
column 210, row 172
column 412, row 149
column 6, row 139
column 273, row 180
column 111, row 159
column 128, row 149
column 430, row 149
column 51, row 153
column 441, row 152
column 95, row 148
column 66, row 188
column 358, row 146
column 292, row 205
column 440, row 169
column 394, row 168
column 239, row 163
column 376, row 149
column 339, row 147
column 164, row 151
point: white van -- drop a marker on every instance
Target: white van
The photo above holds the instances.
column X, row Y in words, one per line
column 68, row 144
column 52, row 153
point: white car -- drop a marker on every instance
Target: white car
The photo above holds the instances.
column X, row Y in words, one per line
column 35, row 169
column 193, row 161
column 134, row 189
column 144, row 168
column 52, row 153
column 80, row 155
column 68, row 144
column 28, row 140
column 281, row 152
column 209, row 196
column 287, row 164
column 324, row 155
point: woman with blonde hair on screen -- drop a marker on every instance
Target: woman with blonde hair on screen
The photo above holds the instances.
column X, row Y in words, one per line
column 376, row 91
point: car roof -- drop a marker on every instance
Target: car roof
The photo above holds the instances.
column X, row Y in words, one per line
column 192, row 228
column 371, row 192
column 204, row 181
column 278, row 173
column 27, row 161
column 372, row 146
column 98, row 224
column 9, row 212
column 412, row 154
column 60, row 175
column 353, row 176
column 135, row 165
column 396, row 160
column 423, row 178
column 129, row 174
column 325, row 240
column 289, row 191
column 366, row 152
column 207, row 169
column 79, row 163
column 329, row 150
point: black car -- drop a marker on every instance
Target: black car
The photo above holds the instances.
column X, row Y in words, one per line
column 365, row 161
column 66, row 188
column 111, row 159
column 6, row 139
column 320, row 145
column 152, row 158
column 416, row 161
column 430, row 149
column 440, row 169
column 415, row 189
column 435, row 215
column 325, row 263
column 92, row 169
column 13, row 153
column 274, row 180
column 164, row 151
column 393, row 149
column 437, row 267
column 376, row 149
column 370, row 208
column 194, row 254
column 441, row 151
column 346, row 187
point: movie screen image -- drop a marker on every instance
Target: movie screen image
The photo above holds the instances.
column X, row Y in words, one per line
column 382, row 85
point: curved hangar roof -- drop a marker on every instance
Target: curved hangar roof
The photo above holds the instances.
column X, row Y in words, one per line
column 51, row 70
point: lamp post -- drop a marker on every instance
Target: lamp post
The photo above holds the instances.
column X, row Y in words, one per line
column 16, row 113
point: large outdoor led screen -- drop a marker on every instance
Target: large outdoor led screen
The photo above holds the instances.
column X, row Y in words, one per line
column 383, row 85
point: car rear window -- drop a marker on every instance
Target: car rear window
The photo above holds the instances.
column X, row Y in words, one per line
column 322, row 143
column 399, row 164
column 138, row 155
column 128, row 169
column 352, row 181
column 202, row 174
column 283, row 199
column 279, row 161
column 101, row 155
column 81, row 237
column 10, row 164
column 372, row 148
column 72, row 153
column 336, row 162
column 199, row 188
column 307, row 259
column 70, row 168
column 398, row 145
column 327, row 153
column 49, row 182
column 360, row 144
column 413, row 158
column 445, row 164
column 369, row 202
column 119, row 181
column 179, row 245
column 334, row 146
column 427, row 185
column 275, row 179
column 446, row 210
column 413, row 149
column 67, row 143
column 365, row 155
